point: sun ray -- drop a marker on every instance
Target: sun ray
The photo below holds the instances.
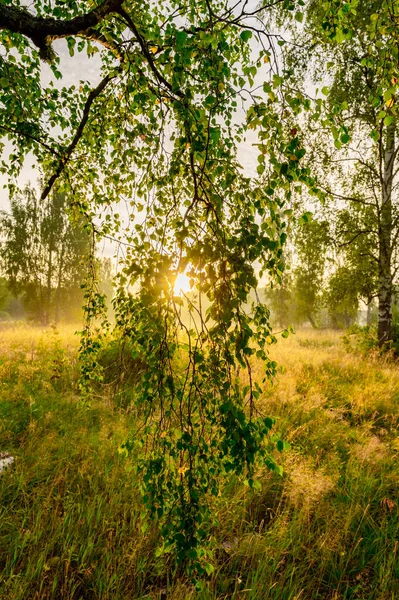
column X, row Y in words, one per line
column 182, row 285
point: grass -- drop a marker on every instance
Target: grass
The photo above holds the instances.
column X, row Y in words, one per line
column 70, row 512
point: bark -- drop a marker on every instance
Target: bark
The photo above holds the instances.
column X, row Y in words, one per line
column 49, row 287
column 42, row 31
column 385, row 242
column 59, row 284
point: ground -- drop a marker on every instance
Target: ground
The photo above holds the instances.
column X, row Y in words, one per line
column 70, row 525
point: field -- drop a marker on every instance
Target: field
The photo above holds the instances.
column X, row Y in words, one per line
column 70, row 512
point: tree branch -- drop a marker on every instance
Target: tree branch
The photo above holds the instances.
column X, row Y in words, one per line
column 147, row 54
column 349, row 198
column 66, row 155
column 30, row 137
column 43, row 30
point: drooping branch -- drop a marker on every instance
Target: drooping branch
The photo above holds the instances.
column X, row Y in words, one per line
column 67, row 153
column 146, row 53
column 42, row 31
column 27, row 135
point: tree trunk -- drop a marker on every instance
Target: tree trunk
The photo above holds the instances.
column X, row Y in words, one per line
column 48, row 290
column 368, row 322
column 59, row 284
column 312, row 321
column 385, row 242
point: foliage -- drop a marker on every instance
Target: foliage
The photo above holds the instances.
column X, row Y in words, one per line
column 161, row 130
column 357, row 248
column 281, row 302
column 4, row 293
column 361, row 340
column 42, row 255
column 341, row 297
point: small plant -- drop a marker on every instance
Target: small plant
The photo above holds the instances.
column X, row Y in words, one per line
column 361, row 339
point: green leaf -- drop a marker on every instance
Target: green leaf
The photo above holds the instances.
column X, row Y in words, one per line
column 246, row 35
column 214, row 133
column 388, row 94
column 260, row 169
column 210, row 100
column 181, row 37
column 209, row 568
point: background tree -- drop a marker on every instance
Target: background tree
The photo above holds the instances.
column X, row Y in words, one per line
column 4, row 293
column 341, row 298
column 281, row 302
column 355, row 55
column 311, row 246
column 42, row 255
column 357, row 248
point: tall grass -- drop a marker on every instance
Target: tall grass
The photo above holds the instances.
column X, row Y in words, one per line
column 70, row 513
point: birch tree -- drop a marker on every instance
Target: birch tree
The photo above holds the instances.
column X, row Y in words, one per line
column 356, row 60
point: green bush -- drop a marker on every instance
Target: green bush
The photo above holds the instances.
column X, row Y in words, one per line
column 361, row 339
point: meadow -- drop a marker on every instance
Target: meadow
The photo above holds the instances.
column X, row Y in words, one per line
column 327, row 528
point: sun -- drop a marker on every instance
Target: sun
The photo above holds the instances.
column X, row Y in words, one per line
column 182, row 285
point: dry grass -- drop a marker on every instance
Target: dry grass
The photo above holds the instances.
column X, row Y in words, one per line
column 328, row 529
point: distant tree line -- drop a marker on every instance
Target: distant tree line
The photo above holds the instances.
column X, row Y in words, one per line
column 42, row 260
column 330, row 280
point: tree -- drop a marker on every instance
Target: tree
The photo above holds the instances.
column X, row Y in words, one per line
column 280, row 299
column 341, row 297
column 358, row 252
column 4, row 293
column 42, row 255
column 161, row 130
column 355, row 45
column 311, row 247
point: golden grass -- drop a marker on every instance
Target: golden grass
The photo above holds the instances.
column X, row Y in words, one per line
column 328, row 529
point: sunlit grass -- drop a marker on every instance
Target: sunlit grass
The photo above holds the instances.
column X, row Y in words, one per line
column 70, row 511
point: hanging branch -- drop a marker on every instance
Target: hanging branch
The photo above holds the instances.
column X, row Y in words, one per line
column 66, row 154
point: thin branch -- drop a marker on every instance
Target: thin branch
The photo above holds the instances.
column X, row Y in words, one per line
column 147, row 53
column 66, row 155
column 30, row 137
column 349, row 198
